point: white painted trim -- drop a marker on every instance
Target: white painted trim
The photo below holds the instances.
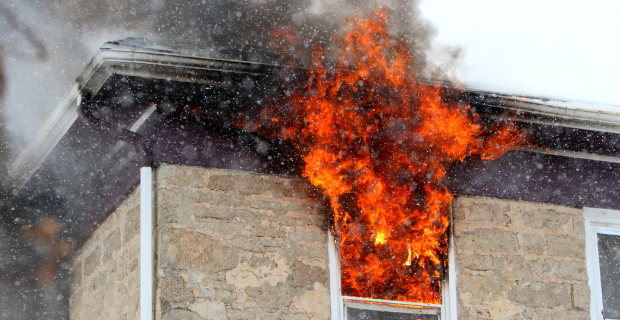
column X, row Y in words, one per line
column 392, row 306
column 449, row 291
column 597, row 221
column 334, row 277
column 146, row 243
column 574, row 154
column 392, row 302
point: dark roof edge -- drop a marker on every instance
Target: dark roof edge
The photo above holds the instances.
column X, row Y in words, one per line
column 578, row 115
column 138, row 58
column 114, row 59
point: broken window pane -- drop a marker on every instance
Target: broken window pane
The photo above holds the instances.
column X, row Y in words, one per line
column 609, row 261
column 368, row 309
column 361, row 314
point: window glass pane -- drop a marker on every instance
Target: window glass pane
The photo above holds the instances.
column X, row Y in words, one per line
column 363, row 314
column 609, row 260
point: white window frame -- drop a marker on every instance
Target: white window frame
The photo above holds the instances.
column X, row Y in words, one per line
column 597, row 221
column 447, row 308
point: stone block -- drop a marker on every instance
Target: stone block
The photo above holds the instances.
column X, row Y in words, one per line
column 478, row 287
column 184, row 176
column 92, row 261
column 220, row 212
column 219, row 226
column 458, row 208
column 545, row 218
column 179, row 314
column 271, row 297
column 211, row 310
column 566, row 269
column 249, row 314
column 260, row 231
column 256, row 244
column 475, row 261
column 198, row 251
column 513, row 268
column 581, row 297
column 537, row 266
column 303, row 275
column 282, row 218
column 169, row 205
column 315, row 303
column 541, row 294
column 546, row 314
column 491, row 212
column 298, row 205
column 533, row 243
column 111, row 244
column 133, row 265
column 487, row 240
column 243, row 183
column 566, row 246
column 132, row 224
column 579, row 223
column 216, row 290
column 174, row 289
column 310, row 236
column 307, row 251
column 294, row 188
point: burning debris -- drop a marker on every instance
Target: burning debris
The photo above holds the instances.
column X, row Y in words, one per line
column 377, row 139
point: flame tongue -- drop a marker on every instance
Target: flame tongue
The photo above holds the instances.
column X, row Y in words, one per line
column 377, row 140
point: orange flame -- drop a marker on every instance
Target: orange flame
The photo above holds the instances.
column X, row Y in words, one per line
column 377, row 141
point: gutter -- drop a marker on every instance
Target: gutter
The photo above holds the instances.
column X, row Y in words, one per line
column 551, row 112
column 111, row 60
column 144, row 148
column 144, row 60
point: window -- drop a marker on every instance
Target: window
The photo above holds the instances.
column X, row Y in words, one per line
column 353, row 308
column 603, row 262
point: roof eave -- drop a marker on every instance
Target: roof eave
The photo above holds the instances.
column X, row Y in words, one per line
column 170, row 65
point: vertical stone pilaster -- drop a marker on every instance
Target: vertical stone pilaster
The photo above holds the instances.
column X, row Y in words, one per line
column 519, row 260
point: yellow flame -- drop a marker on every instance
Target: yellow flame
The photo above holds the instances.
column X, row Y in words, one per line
column 408, row 263
column 381, row 238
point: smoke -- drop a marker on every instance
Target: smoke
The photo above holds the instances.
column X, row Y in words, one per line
column 46, row 44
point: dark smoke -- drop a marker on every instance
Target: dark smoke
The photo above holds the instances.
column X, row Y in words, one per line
column 47, row 43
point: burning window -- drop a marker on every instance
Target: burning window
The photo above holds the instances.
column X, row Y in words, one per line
column 377, row 141
column 603, row 262
column 356, row 308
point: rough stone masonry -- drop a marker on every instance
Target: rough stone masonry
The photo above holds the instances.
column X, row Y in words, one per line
column 239, row 245
column 229, row 245
column 519, row 260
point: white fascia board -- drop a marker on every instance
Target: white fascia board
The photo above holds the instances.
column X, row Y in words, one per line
column 52, row 130
column 107, row 62
column 540, row 112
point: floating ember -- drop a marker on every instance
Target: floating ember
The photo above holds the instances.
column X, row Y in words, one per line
column 376, row 139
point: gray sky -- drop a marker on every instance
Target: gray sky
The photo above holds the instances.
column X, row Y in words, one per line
column 557, row 49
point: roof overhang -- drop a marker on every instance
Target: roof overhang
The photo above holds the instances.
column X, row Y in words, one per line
column 131, row 57
column 562, row 130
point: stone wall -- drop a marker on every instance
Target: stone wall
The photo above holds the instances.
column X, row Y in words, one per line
column 519, row 260
column 105, row 272
column 238, row 245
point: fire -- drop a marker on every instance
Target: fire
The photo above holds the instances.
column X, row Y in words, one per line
column 377, row 140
